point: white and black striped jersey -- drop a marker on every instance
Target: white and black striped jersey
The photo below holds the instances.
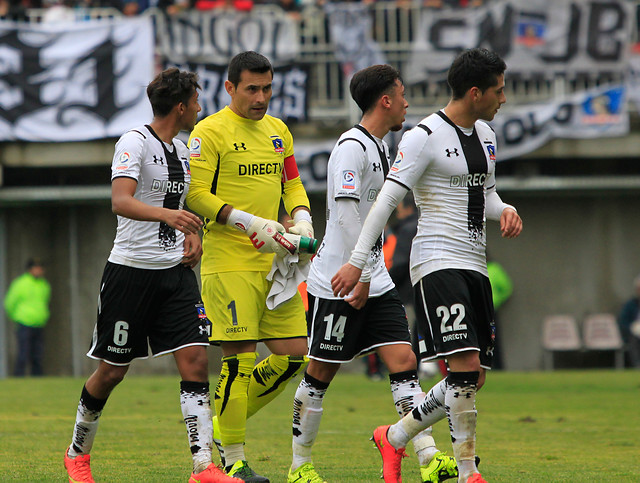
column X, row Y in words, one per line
column 357, row 169
column 452, row 174
column 163, row 176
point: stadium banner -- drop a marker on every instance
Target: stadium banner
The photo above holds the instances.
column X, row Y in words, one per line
column 596, row 113
column 350, row 27
column 74, row 81
column 536, row 38
column 289, row 88
column 216, row 36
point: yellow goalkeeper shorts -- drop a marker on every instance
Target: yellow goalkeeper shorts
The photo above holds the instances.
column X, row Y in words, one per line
column 236, row 305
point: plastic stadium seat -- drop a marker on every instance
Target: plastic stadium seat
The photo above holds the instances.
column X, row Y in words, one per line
column 559, row 334
column 601, row 333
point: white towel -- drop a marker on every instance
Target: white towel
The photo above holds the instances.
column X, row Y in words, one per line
column 286, row 274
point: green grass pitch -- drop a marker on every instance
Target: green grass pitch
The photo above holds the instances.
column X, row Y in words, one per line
column 565, row 426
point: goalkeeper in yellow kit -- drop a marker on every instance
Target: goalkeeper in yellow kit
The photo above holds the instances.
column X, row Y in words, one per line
column 242, row 165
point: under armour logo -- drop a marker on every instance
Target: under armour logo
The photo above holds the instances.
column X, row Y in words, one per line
column 203, row 329
column 377, row 167
column 157, row 160
column 239, row 146
column 452, row 151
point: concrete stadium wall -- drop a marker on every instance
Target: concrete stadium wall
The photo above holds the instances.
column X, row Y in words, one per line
column 578, row 254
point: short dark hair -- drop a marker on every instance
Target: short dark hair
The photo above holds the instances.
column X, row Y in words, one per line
column 371, row 83
column 169, row 88
column 474, row 68
column 249, row 60
column 34, row 262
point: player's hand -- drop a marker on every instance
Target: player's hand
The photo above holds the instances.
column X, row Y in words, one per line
column 303, row 228
column 510, row 223
column 261, row 232
column 359, row 296
column 192, row 250
column 345, row 279
column 182, row 220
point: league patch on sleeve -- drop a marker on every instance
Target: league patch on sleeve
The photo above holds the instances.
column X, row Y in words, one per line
column 123, row 162
column 396, row 164
column 348, row 180
column 194, row 148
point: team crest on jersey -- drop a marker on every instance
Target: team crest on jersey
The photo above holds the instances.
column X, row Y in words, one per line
column 492, row 152
column 396, row 164
column 187, row 166
column 194, row 147
column 123, row 161
column 348, row 180
column 201, row 312
column 278, row 144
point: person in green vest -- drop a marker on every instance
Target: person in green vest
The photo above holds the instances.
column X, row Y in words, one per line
column 501, row 290
column 27, row 304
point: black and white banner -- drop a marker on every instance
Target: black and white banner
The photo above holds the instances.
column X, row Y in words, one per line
column 350, row 29
column 74, row 81
column 534, row 37
column 594, row 113
column 215, row 36
column 289, row 88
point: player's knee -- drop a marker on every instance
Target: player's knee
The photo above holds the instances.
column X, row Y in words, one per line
column 297, row 364
column 113, row 375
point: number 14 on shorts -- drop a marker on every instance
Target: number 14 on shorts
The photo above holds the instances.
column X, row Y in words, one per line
column 335, row 330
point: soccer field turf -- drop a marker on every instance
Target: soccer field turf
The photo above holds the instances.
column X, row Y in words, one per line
column 569, row 426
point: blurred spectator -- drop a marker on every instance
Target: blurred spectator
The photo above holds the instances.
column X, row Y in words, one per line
column 58, row 11
column 629, row 321
column 452, row 3
column 404, row 230
column 27, row 304
column 174, row 7
column 292, row 7
column 501, row 290
column 13, row 10
column 237, row 5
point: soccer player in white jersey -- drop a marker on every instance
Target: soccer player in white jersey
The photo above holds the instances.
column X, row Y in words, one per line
column 149, row 295
column 448, row 160
column 372, row 318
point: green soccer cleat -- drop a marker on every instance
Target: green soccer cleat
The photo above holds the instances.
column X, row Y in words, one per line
column 305, row 473
column 241, row 470
column 217, row 440
column 440, row 468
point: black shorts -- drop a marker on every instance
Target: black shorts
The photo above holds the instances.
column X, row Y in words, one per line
column 454, row 313
column 339, row 333
column 140, row 308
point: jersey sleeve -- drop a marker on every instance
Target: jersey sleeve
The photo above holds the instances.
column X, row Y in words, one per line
column 350, row 161
column 204, row 163
column 293, row 192
column 127, row 157
column 294, row 195
column 412, row 159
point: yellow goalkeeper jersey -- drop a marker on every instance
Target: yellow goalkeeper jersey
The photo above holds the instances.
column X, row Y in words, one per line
column 249, row 165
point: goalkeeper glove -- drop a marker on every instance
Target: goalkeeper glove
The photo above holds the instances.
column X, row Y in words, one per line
column 261, row 231
column 303, row 227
